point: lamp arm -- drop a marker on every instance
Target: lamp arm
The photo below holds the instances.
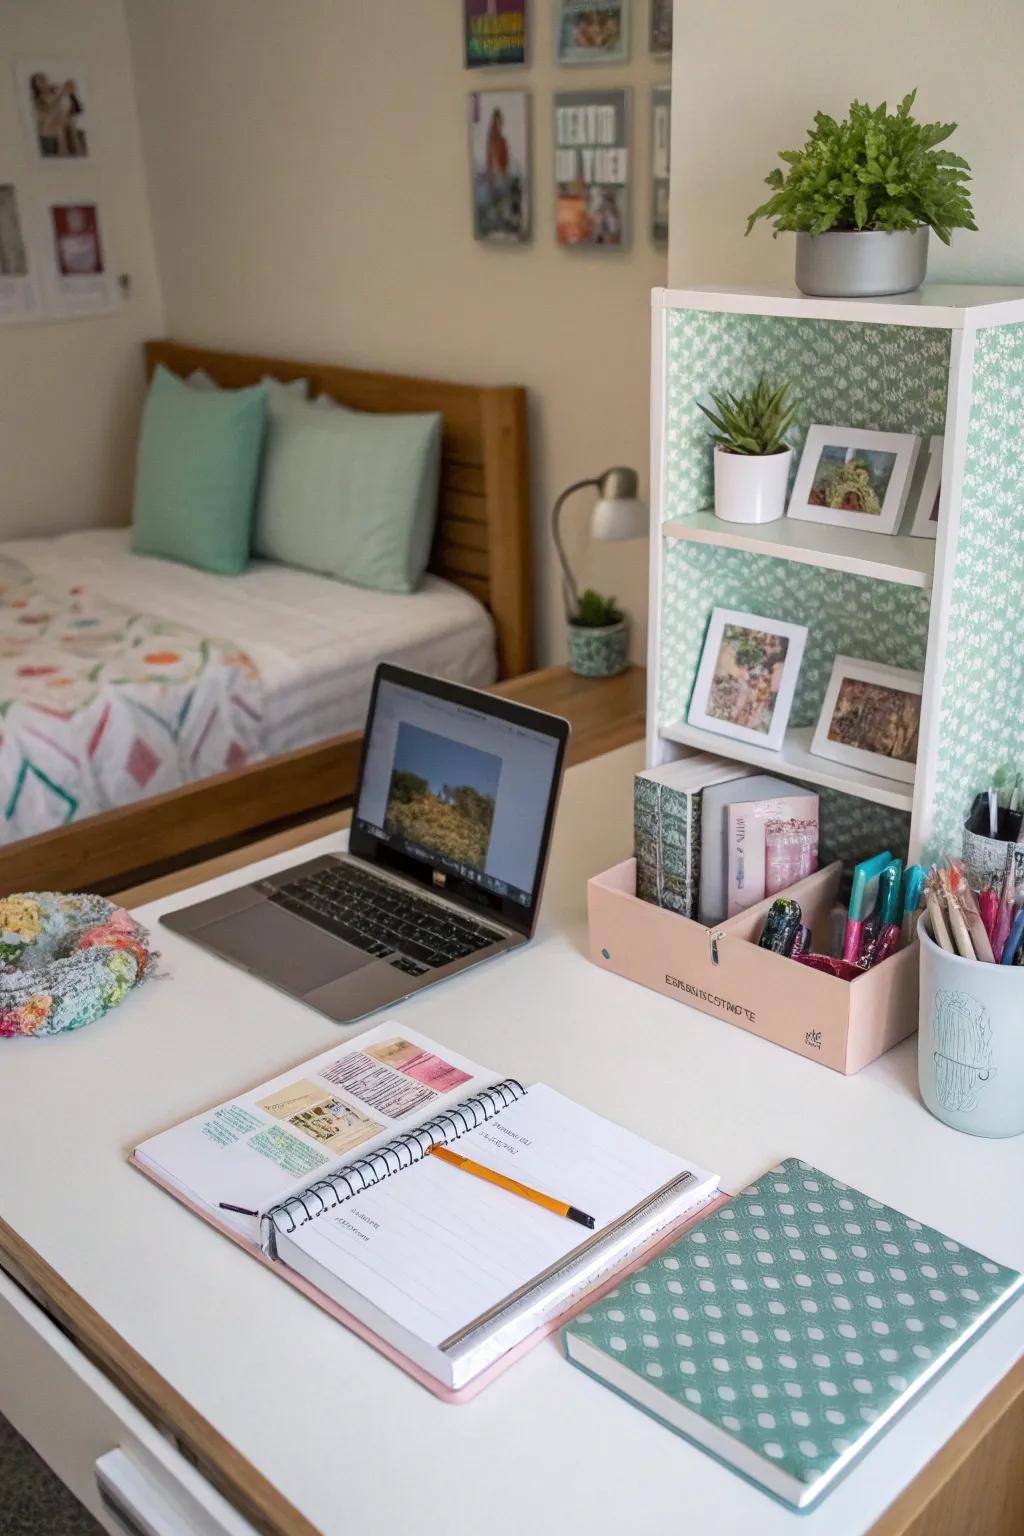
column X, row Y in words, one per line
column 570, row 590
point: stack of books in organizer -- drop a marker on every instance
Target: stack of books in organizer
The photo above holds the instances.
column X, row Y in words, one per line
column 667, row 805
column 712, row 837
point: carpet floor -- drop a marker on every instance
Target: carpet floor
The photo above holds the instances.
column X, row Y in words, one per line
column 32, row 1501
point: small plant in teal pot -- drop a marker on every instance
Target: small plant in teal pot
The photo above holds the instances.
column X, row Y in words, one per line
column 598, row 637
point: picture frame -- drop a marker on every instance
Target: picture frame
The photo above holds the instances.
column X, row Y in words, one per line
column 593, row 169
column 589, row 33
column 661, row 156
column 55, row 106
column 494, row 33
column 659, row 41
column 925, row 504
column 747, row 677
column 500, row 166
column 871, row 702
column 850, row 477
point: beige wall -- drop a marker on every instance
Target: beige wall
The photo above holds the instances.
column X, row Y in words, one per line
column 752, row 75
column 70, row 390
column 308, row 172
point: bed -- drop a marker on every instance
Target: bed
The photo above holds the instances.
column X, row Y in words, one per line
column 124, row 677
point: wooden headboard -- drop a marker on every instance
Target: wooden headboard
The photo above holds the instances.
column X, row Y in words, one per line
column 483, row 526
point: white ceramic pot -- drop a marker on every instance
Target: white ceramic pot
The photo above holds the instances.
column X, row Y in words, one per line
column 861, row 263
column 970, row 1059
column 751, row 488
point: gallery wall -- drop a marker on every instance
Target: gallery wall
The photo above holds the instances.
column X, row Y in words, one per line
column 71, row 389
column 743, row 91
column 310, row 189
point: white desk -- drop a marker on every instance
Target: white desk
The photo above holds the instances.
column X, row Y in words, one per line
column 346, row 1438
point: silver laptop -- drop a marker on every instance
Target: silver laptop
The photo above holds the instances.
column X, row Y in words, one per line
column 445, row 867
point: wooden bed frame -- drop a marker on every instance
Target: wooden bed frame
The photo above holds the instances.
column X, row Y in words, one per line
column 482, row 541
column 482, row 544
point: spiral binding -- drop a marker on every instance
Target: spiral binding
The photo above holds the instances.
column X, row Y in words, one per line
column 354, row 1178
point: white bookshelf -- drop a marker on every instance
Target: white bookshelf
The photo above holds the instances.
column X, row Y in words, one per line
column 899, row 558
column 949, row 360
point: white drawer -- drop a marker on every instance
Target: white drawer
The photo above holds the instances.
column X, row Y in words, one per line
column 128, row 1475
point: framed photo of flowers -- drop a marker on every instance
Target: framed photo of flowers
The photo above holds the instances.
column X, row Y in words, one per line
column 852, row 478
column 747, row 677
column 871, row 718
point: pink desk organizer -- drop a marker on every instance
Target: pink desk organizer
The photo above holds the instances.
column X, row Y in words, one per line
column 721, row 971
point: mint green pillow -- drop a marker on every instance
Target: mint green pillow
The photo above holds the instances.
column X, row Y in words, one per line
column 196, row 473
column 349, row 494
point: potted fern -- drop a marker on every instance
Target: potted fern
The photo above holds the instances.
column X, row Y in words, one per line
column 862, row 196
column 598, row 637
column 752, row 457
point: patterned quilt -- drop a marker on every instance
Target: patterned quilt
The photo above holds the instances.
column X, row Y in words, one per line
column 100, row 705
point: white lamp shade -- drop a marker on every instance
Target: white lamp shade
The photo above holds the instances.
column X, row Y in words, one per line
column 619, row 517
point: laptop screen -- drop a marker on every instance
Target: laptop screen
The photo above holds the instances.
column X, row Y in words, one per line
column 461, row 789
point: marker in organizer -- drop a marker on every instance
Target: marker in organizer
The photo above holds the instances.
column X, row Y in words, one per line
column 890, row 886
column 513, row 1186
column 862, row 899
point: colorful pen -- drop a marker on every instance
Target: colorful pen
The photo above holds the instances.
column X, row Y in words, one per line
column 988, row 906
column 937, row 923
column 1013, row 943
column 865, row 884
column 1004, row 914
column 963, row 899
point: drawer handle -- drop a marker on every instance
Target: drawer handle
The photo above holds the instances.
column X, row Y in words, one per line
column 137, row 1504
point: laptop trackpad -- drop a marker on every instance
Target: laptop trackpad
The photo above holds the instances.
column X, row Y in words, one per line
column 282, row 948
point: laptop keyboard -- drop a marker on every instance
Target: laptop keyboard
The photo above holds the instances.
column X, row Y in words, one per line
column 383, row 919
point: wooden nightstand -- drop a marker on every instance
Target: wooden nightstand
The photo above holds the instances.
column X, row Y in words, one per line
column 604, row 712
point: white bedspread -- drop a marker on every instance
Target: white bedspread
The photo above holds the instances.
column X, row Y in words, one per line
column 315, row 642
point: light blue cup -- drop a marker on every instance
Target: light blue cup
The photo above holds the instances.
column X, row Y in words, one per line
column 971, row 1041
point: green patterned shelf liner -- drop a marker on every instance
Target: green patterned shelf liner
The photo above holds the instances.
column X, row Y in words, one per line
column 796, row 1315
column 889, row 378
column 981, row 720
column 845, row 615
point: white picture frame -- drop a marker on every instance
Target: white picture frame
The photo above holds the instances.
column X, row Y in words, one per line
column 849, row 669
column 723, row 675
column 885, row 464
column 570, row 52
column 60, row 133
column 925, row 505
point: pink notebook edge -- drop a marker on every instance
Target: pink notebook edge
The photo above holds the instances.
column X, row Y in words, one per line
column 465, row 1394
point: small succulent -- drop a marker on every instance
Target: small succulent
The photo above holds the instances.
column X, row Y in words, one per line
column 751, row 423
column 595, row 612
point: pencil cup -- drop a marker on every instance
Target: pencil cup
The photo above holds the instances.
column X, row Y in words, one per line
column 985, row 859
column 971, row 1041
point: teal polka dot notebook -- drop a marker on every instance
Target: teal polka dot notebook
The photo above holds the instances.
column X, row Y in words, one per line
column 786, row 1331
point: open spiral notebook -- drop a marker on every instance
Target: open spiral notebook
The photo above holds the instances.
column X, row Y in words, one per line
column 325, row 1173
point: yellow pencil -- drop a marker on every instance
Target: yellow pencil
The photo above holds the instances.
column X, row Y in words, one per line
column 513, row 1186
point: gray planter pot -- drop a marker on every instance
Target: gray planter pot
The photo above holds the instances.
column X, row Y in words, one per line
column 861, row 264
column 599, row 652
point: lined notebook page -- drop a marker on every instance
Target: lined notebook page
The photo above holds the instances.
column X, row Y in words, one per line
column 434, row 1247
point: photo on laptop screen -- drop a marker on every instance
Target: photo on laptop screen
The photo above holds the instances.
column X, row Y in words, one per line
column 459, row 788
